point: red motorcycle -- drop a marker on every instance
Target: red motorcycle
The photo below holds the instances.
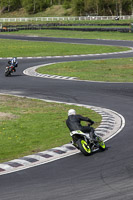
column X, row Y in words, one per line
column 9, row 70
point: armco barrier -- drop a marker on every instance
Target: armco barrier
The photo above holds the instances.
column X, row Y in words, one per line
column 8, row 30
column 125, row 30
column 36, row 27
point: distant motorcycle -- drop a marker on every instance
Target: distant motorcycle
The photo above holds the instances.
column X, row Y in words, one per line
column 9, row 70
column 85, row 144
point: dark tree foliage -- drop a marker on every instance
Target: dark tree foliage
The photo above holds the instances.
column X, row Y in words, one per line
column 10, row 5
column 34, row 6
column 79, row 7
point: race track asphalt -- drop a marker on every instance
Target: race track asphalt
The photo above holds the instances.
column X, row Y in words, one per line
column 104, row 175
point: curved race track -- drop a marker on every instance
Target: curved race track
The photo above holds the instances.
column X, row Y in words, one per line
column 107, row 175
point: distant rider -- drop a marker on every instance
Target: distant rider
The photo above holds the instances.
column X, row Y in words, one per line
column 73, row 122
column 13, row 62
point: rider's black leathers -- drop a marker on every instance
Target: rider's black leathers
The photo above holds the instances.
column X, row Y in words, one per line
column 73, row 123
column 15, row 64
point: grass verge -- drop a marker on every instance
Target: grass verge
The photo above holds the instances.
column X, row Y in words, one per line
column 76, row 34
column 110, row 70
column 9, row 48
column 29, row 126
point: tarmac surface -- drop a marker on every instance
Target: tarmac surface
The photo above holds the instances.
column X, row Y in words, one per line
column 103, row 175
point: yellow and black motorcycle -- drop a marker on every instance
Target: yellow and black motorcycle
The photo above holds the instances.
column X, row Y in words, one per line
column 85, row 143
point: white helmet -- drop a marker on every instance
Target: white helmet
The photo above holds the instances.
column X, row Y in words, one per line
column 71, row 112
column 14, row 60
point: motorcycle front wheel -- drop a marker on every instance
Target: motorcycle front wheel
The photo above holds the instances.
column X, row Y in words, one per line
column 7, row 73
column 102, row 145
column 84, row 147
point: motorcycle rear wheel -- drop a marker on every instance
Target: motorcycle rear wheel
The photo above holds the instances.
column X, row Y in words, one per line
column 84, row 147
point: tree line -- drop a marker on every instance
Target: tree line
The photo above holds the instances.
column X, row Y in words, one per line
column 79, row 7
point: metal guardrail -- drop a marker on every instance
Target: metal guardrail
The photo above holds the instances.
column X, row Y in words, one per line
column 29, row 19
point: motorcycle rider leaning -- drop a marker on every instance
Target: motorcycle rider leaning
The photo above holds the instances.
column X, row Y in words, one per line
column 13, row 62
column 73, row 122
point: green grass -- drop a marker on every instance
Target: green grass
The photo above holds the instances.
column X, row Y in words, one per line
column 9, row 48
column 110, row 70
column 76, row 34
column 31, row 125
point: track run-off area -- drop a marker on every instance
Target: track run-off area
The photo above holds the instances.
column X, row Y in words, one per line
column 103, row 175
